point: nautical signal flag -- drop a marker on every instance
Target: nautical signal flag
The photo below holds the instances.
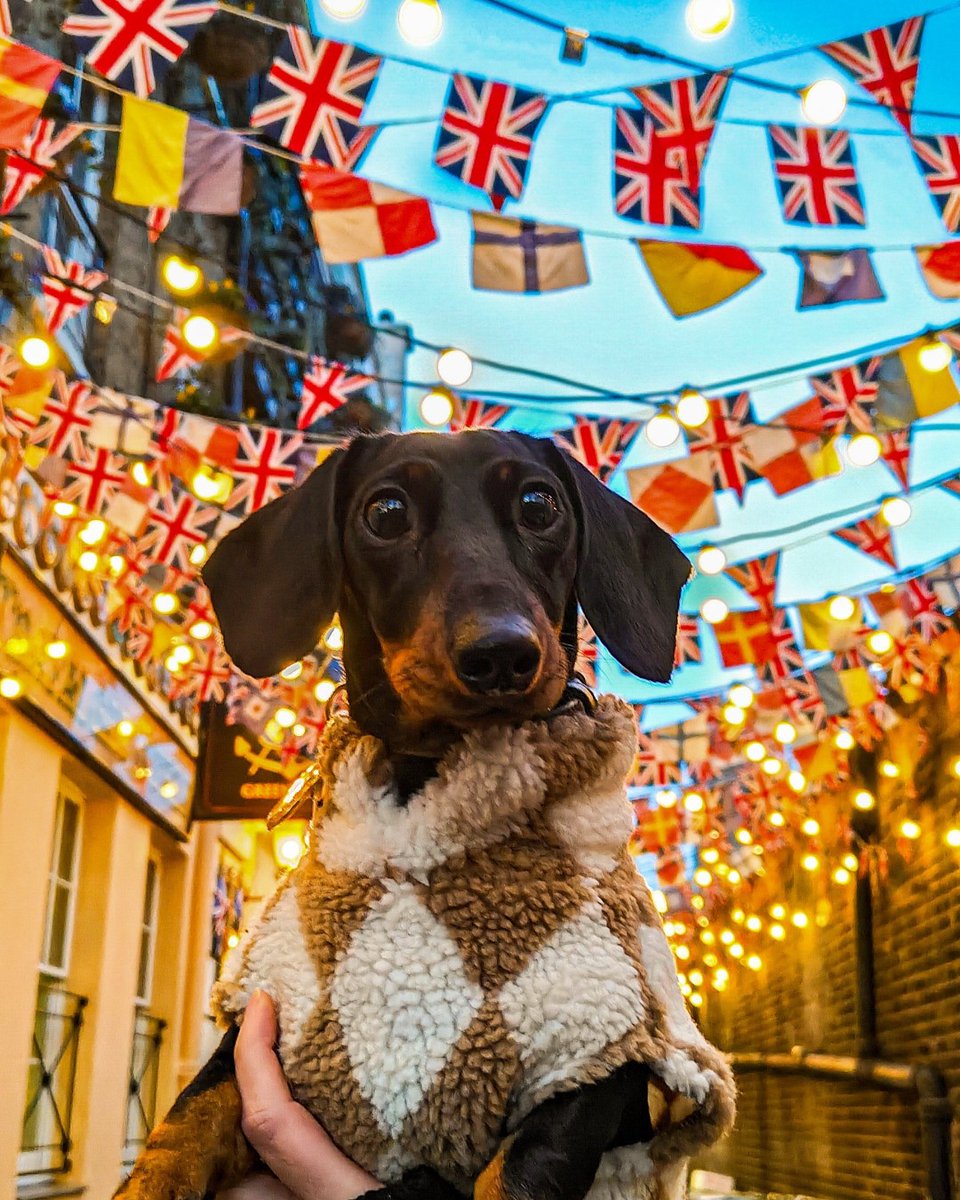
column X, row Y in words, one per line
column 692, row 278
column 354, row 219
column 168, row 158
column 836, row 277
column 906, row 391
column 524, row 256
column 26, row 78
column 940, row 267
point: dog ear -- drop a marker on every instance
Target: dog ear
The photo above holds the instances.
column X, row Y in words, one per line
column 275, row 580
column 629, row 576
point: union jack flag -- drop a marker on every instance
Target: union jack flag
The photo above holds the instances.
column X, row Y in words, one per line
column 922, row 606
column 938, row 156
column 316, row 92
column 847, row 396
column 176, row 523
column 816, row 175
column 476, row 414
column 871, row 536
column 66, row 417
column 782, row 657
column 802, row 701
column 177, row 357
column 486, row 134
column 721, row 437
column 885, row 62
column 895, row 452
column 586, row 663
column 266, row 465
column 204, row 678
column 599, row 445
column 30, row 163
column 68, row 287
column 10, row 364
column 158, row 218
column 327, row 386
column 93, row 479
column 659, row 150
column 758, row 578
column 134, row 42
column 656, row 764
column 688, row 641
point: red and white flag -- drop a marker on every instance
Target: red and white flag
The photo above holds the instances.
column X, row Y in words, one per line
column 871, row 536
column 327, row 386
column 29, row 164
column 176, row 356
column 93, row 479
column 66, row 417
column 68, row 287
column 885, row 62
column 176, row 524
column 476, row 414
column 266, row 466
column 204, row 678
column 599, row 445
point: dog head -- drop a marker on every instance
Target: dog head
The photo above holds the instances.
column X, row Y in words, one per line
column 456, row 565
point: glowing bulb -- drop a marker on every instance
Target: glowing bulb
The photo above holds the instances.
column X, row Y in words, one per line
column 714, row 610
column 201, row 630
column 93, row 532
column 754, row 962
column 722, row 975
column 665, row 798
column 810, row 862
column 683, row 953
column 811, row 827
column 299, row 729
column 289, row 849
column 777, row 932
column 734, row 715
column 728, row 937
column 934, row 355
column 710, row 561
column 420, row 21
column 951, row 837
column 695, row 976
column 165, row 603
column 105, row 309
column 710, row 855
column 744, row 836
column 183, row 653
column 754, row 924
column 708, row 937
column 10, row 688
column 198, row 555
column 863, row 449
column 785, row 733
column 796, row 781
column 662, row 429
column 140, row 473
column 880, row 642
column 659, row 901
column 293, row 671
column 771, row 766
column 36, row 351
column 285, row 717
column 343, row 10
column 117, row 564
column 896, row 511
column 776, row 818
column 707, row 19
column 696, row 999
column 436, row 407
column 755, row 751
column 693, row 802
column 57, row 649
column 742, row 695
column 181, row 277
column 733, row 877
column 841, row 875
column 823, row 102
column 702, row 877
column 200, row 333
column 864, row 800
column 692, row 409
column 212, row 486
column 736, row 950
column 324, row 690
column 889, row 770
column 800, row 920
column 955, row 766
column 17, row 646
column 125, row 728
column 454, row 366
column 841, row 608
column 843, row 739
column 63, row 508
column 910, row 829
column 778, row 911
column 851, row 862
column 89, row 560
column 173, row 664
column 333, row 638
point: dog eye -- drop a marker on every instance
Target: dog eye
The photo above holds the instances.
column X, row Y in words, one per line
column 387, row 516
column 538, row 508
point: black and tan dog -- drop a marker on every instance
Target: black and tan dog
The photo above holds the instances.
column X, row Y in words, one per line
column 457, row 565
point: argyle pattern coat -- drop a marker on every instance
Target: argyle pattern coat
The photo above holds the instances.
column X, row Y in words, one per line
column 442, row 967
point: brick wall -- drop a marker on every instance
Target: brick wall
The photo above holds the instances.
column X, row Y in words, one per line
column 840, row 1141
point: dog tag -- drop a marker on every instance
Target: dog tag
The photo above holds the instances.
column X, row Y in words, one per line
column 296, row 794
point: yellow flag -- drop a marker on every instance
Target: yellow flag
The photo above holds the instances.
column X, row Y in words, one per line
column 153, row 139
column 933, row 391
column 823, row 632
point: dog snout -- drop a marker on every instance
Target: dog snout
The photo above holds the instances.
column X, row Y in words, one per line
column 501, row 656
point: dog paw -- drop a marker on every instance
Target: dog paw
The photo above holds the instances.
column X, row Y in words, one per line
column 153, row 1180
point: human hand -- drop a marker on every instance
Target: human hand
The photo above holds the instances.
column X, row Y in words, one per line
column 306, row 1163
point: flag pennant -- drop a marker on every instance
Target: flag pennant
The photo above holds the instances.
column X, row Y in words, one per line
column 659, row 150
column 266, row 466
column 476, row 414
column 176, row 356
column 134, row 42
column 823, row 631
column 176, row 524
column 671, row 869
column 525, row 256
column 327, row 386
column 66, row 418
column 203, row 678
column 885, row 63
column 656, row 763
column 790, row 453
column 158, row 218
column 486, row 135
column 657, row 827
column 906, row 391
column 688, row 641
column 758, row 578
column 922, row 606
column 940, row 268
column 743, row 637
column 720, row 440
column 816, row 175
column 945, row 582
column 692, row 278
column 168, row 159
column 847, row 396
column 315, row 95
column 599, row 445
column 122, row 423
column 678, row 495
column 587, row 649
column 836, row 277
column 29, row 163
column 26, row 79
column 93, row 479
column 206, row 438
column 895, row 452
column 871, row 536
column 68, row 287
column 354, row 219
column 938, row 157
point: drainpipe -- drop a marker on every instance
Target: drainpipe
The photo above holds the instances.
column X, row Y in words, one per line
column 867, row 1045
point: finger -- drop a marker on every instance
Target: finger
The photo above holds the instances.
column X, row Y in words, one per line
column 259, row 1075
column 258, row 1187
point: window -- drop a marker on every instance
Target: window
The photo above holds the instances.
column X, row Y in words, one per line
column 148, row 932
column 62, row 882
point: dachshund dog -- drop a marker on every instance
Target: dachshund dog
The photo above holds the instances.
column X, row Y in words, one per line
column 457, row 565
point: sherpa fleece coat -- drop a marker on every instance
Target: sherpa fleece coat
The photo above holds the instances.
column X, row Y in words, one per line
column 441, row 967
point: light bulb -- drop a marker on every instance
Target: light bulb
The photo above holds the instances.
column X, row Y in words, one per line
column 841, row 608
column 200, row 333
column 910, row 829
column 63, row 508
column 800, row 920
column 692, row 409
column 863, row 449
column 755, row 751
column 662, row 429
column 183, row 278
column 733, row 714
column 665, row 798
column 165, row 603
column 333, row 638
column 293, row 671
column 776, row 818
column 778, row 912
column 141, row 473
column 955, row 766
column 702, row 877
column 736, row 950
column 57, row 649
column 201, row 630
column 864, row 800
column 89, row 560
column 203, row 484
column 436, row 407
column 420, row 21
column 741, row 695
column 36, row 351
column 823, row 102
column 934, row 355
column 117, row 564
column 754, row 924
column 708, row 19
column 889, row 769
column 693, row 802
column 289, row 849
column 710, row 561
column 796, row 781
column 710, row 855
column 343, row 10
column 843, row 739
column 777, row 932
column 744, row 836
column 811, row 827
column 183, row 653
column 10, row 688
column 324, row 690
column 754, row 962
column 454, row 366
column 125, row 728
column 785, row 733
column 714, row 610
column 771, row 766
column 93, row 532
column 951, row 837
column 895, row 510
column 880, row 642
column 841, row 875
column 198, row 555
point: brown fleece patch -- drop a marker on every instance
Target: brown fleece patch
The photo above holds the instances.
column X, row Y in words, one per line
column 580, row 750
column 197, row 1151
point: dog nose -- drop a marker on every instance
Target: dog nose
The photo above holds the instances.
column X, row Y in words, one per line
column 500, row 657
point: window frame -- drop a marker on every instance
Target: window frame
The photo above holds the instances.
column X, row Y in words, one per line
column 150, row 928
column 67, row 793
